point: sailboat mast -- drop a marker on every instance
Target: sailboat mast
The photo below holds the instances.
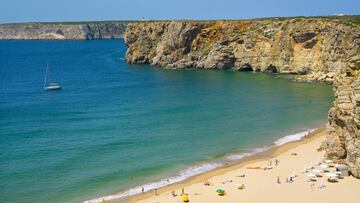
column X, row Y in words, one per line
column 47, row 83
column 46, row 75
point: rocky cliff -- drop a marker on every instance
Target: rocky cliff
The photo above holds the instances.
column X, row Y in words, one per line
column 313, row 49
column 110, row 30
column 343, row 129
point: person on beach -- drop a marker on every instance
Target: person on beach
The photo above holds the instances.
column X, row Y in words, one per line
column 142, row 190
column 242, row 187
column 307, row 135
column 276, row 162
column 182, row 191
column 156, row 194
column 278, row 180
column 173, row 194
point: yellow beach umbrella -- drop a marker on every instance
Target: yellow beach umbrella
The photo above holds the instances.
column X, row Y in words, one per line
column 184, row 198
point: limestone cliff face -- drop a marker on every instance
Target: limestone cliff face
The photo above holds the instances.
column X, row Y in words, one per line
column 343, row 129
column 313, row 49
column 62, row 31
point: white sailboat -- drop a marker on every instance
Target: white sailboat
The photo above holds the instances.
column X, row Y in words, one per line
column 47, row 85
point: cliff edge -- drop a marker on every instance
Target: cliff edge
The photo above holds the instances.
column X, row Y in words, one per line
column 313, row 49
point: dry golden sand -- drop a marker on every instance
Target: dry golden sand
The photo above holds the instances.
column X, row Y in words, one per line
column 261, row 185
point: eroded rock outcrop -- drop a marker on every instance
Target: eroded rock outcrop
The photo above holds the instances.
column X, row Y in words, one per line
column 313, row 49
column 343, row 129
column 60, row 31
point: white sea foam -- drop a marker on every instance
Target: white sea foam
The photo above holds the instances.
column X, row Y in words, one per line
column 293, row 137
column 237, row 157
column 199, row 169
column 181, row 176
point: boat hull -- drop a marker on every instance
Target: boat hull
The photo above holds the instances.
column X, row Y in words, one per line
column 52, row 88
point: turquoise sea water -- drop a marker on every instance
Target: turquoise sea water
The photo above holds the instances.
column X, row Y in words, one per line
column 115, row 126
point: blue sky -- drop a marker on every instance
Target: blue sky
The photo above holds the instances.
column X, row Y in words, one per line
column 80, row 10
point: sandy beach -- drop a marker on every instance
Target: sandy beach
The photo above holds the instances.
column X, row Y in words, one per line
column 262, row 185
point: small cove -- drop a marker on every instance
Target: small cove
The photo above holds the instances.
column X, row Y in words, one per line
column 115, row 126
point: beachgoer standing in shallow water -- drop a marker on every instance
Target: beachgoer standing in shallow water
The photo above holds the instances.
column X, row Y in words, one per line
column 142, row 190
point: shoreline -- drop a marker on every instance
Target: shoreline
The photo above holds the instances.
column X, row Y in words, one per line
column 264, row 153
column 272, row 152
column 264, row 184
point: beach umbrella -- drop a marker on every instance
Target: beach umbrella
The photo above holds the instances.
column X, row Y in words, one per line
column 317, row 171
column 220, row 190
column 184, row 198
column 331, row 175
column 324, row 166
column 311, row 175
